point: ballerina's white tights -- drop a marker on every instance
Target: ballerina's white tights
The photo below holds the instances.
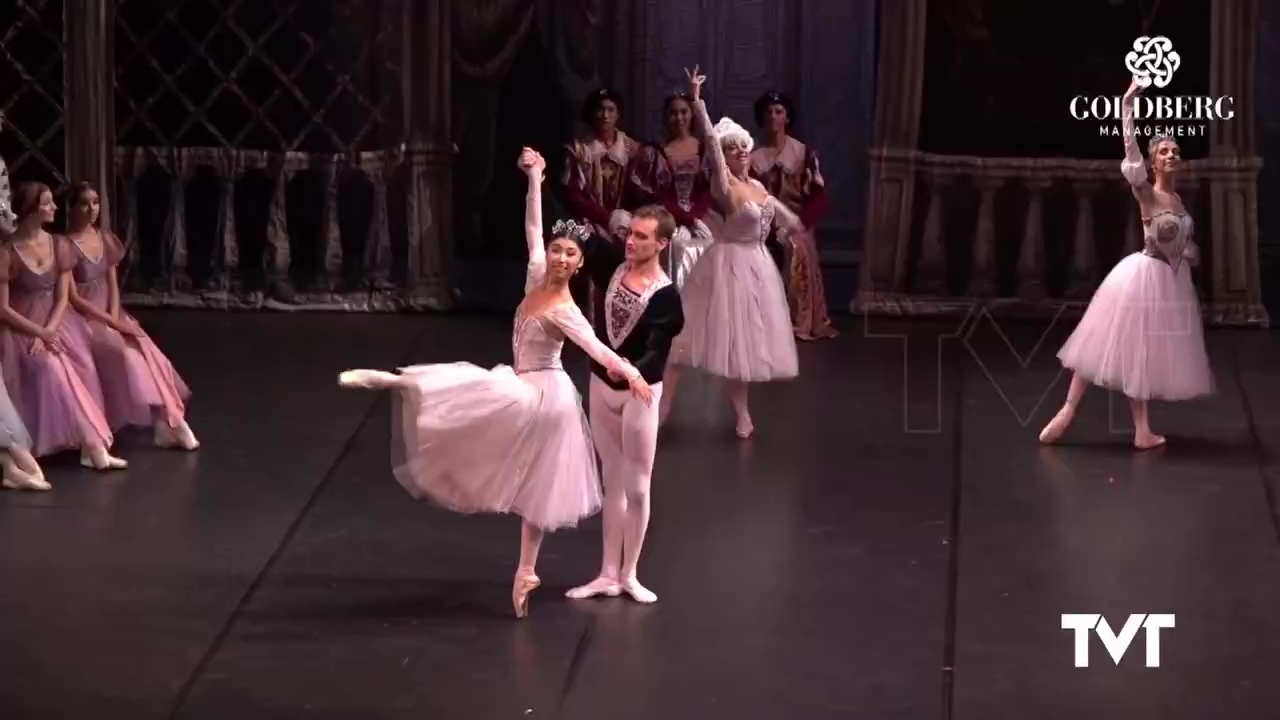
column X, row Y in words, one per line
column 626, row 436
column 1143, row 438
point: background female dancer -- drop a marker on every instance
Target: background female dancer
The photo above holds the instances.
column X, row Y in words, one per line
column 789, row 170
column 44, row 348
column 1142, row 334
column 674, row 171
column 510, row 439
column 140, row 388
column 21, row 471
column 738, row 325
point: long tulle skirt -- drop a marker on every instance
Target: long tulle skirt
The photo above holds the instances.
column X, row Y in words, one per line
column 474, row 440
column 737, row 321
column 1142, row 334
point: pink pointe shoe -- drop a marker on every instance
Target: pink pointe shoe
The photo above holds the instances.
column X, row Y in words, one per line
column 524, row 584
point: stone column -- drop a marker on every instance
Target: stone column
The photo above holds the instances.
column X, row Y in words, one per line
column 89, row 76
column 982, row 278
column 931, row 271
column 428, row 107
column 1031, row 254
column 1083, row 258
column 1236, row 291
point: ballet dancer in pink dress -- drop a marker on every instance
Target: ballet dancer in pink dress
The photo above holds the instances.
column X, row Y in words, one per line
column 1142, row 333
column 140, row 388
column 510, row 439
column 737, row 321
column 44, row 344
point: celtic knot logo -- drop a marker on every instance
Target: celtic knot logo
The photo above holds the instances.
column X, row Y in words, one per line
column 1152, row 61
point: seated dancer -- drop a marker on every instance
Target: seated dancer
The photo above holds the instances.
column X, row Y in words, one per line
column 789, row 171
column 737, row 325
column 675, row 172
column 44, row 346
column 510, row 439
column 638, row 316
column 21, row 471
column 140, row 388
column 1142, row 333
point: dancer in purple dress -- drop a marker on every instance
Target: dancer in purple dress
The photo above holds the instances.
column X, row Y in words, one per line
column 510, row 439
column 21, row 471
column 1142, row 333
column 140, row 388
column 44, row 345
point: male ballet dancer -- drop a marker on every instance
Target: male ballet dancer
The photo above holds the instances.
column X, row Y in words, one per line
column 638, row 315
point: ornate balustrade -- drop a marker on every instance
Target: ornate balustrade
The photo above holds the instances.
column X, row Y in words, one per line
column 1030, row 235
column 371, row 213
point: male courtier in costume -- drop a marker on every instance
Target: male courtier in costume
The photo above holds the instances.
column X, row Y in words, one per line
column 638, row 315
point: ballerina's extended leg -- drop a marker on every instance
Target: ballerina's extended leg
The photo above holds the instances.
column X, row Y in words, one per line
column 526, row 579
column 370, row 379
column 1143, row 438
column 1060, row 422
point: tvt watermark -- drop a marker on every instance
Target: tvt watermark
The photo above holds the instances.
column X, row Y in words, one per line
column 1117, row 645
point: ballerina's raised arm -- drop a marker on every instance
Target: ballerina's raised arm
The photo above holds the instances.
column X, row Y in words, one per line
column 1133, row 167
column 719, row 170
column 534, row 167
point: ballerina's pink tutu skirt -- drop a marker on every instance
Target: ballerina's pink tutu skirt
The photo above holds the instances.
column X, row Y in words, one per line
column 737, row 321
column 474, row 440
column 1142, row 334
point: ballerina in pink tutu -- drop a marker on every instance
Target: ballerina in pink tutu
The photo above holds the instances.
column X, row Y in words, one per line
column 737, row 321
column 44, row 345
column 511, row 439
column 140, row 388
column 1142, row 334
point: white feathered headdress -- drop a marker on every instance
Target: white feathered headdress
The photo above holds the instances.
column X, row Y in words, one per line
column 729, row 131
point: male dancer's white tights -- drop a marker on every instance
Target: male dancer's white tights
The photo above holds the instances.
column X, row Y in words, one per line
column 625, row 430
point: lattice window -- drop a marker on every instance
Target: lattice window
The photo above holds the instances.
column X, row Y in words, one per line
column 31, row 52
column 275, row 75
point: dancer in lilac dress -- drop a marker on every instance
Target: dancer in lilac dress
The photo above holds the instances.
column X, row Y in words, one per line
column 1142, row 333
column 140, row 388
column 737, row 321
column 44, row 346
column 510, row 439
column 21, row 471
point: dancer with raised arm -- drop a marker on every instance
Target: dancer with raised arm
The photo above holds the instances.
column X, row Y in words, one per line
column 510, row 439
column 1142, row 333
column 639, row 314
column 44, row 344
column 140, row 388
column 738, row 324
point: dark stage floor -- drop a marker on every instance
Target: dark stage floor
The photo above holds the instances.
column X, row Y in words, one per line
column 890, row 545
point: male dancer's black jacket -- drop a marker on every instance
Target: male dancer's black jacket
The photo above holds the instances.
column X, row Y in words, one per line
column 649, row 342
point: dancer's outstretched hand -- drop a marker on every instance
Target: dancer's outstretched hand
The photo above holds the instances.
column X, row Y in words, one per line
column 531, row 162
column 641, row 390
column 1135, row 88
column 695, row 82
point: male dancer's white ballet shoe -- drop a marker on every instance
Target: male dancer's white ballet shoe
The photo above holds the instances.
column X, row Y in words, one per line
column 16, row 479
column 1056, row 427
column 525, row 583
column 368, row 379
column 605, row 586
column 180, row 437
column 98, row 458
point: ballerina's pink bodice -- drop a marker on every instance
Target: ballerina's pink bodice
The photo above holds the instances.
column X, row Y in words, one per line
column 1167, row 237
column 536, row 342
column 749, row 224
